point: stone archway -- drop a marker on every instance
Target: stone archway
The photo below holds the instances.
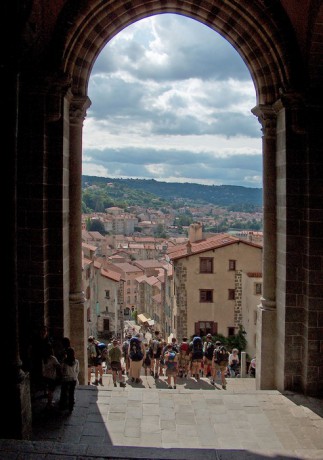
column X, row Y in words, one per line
column 262, row 45
column 48, row 56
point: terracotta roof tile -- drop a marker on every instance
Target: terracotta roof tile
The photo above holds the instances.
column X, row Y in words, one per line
column 214, row 242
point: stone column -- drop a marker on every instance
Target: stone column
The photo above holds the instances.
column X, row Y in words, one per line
column 266, row 315
column 77, row 316
column 16, row 392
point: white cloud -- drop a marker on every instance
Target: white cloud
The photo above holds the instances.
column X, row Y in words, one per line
column 172, row 100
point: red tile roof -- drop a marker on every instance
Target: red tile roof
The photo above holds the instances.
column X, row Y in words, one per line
column 214, row 242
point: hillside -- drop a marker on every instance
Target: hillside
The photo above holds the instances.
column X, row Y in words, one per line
column 228, row 196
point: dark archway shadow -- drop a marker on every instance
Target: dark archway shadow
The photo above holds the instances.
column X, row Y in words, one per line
column 314, row 404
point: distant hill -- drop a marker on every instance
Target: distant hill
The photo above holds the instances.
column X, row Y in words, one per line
column 234, row 197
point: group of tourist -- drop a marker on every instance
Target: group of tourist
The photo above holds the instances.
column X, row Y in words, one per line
column 159, row 358
column 52, row 368
column 127, row 360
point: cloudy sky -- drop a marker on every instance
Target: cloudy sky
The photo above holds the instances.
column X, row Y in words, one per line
column 171, row 100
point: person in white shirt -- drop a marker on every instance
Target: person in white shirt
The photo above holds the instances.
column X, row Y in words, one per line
column 252, row 368
column 234, row 362
column 70, row 372
column 51, row 371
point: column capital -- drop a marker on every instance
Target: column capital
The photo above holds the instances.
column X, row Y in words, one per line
column 267, row 118
column 78, row 108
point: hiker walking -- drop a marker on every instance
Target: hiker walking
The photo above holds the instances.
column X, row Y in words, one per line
column 184, row 358
column 136, row 356
column 115, row 355
column 220, row 363
column 156, row 347
column 171, row 362
column 196, row 353
column 147, row 360
column 208, row 350
column 125, row 353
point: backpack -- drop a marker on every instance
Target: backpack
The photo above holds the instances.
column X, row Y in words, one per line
column 135, row 351
column 184, row 348
column 99, row 346
column 170, row 360
column 104, row 352
column 197, row 348
column 209, row 350
column 156, row 348
column 221, row 355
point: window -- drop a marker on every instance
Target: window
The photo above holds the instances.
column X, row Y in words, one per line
column 206, row 265
column 128, row 282
column 231, row 331
column 206, row 295
column 206, row 327
column 258, row 288
column 106, row 324
column 88, row 293
column 232, row 264
column 107, row 294
column 231, row 294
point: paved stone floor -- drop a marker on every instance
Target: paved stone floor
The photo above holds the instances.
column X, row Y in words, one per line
column 194, row 421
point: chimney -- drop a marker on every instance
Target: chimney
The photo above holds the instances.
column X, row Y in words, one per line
column 189, row 247
column 195, row 232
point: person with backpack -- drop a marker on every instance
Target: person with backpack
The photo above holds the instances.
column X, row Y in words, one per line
column 164, row 349
column 208, row 351
column 147, row 360
column 125, row 353
column 183, row 358
column 136, row 357
column 91, row 359
column 98, row 363
column 156, row 351
column 171, row 363
column 220, row 363
column 196, row 348
column 115, row 355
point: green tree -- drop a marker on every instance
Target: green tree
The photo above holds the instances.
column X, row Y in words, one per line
column 160, row 231
column 96, row 225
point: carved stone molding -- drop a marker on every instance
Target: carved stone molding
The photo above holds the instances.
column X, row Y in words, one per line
column 267, row 118
column 78, row 108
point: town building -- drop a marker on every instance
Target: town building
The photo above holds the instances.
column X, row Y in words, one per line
column 217, row 285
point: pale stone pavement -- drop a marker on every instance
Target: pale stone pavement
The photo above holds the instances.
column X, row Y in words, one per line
column 194, row 421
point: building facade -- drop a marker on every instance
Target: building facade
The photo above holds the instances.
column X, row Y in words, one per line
column 210, row 290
